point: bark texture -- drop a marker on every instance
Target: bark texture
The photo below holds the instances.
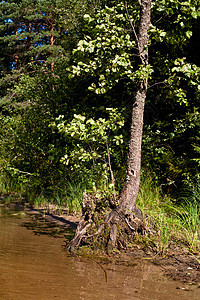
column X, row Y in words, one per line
column 126, row 215
column 131, row 187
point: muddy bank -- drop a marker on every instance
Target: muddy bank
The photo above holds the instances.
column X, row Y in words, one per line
column 177, row 264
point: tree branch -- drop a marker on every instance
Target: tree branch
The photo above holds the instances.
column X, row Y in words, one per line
column 111, row 172
column 157, row 83
column 126, row 5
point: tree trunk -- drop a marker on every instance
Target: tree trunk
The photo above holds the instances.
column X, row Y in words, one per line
column 52, row 43
column 127, row 209
column 130, row 190
column 15, row 55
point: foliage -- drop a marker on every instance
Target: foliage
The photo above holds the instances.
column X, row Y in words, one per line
column 107, row 50
column 34, row 34
column 36, row 37
column 92, row 141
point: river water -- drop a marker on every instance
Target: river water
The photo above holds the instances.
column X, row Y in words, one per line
column 35, row 265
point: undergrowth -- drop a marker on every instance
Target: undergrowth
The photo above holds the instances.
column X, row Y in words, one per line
column 69, row 196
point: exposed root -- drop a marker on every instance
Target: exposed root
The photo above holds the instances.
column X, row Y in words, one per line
column 90, row 206
column 94, row 234
column 112, row 228
column 127, row 222
column 80, row 233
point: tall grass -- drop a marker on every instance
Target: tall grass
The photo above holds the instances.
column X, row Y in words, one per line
column 188, row 216
column 69, row 197
column 11, row 187
column 191, row 226
column 149, row 197
column 173, row 223
column 3, row 189
column 190, row 192
column 74, row 196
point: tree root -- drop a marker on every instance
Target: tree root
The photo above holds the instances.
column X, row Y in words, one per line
column 115, row 228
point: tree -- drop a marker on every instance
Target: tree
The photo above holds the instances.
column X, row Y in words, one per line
column 115, row 48
column 36, row 38
column 127, row 209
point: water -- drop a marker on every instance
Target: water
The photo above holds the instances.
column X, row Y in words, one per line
column 35, row 265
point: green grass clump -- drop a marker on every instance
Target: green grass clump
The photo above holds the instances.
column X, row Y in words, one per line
column 188, row 215
column 174, row 223
column 74, row 196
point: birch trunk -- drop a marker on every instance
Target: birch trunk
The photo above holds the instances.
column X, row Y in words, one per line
column 130, row 190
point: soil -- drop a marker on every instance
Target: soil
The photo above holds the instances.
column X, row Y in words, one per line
column 176, row 263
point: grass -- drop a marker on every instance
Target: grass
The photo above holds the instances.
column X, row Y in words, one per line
column 74, row 196
column 174, row 224
column 188, row 213
column 189, row 217
column 13, row 188
column 2, row 185
column 163, row 234
column 70, row 198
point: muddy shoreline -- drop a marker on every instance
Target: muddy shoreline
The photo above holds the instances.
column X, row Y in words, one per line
column 176, row 264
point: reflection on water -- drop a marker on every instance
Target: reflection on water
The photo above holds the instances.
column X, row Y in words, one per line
column 34, row 265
